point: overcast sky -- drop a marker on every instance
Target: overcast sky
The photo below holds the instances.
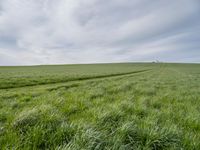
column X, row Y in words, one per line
column 94, row 31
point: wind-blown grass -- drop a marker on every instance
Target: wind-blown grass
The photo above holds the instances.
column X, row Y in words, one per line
column 156, row 109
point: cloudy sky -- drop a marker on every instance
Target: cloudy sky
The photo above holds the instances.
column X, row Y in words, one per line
column 94, row 31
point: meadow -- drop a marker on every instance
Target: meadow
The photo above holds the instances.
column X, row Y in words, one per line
column 136, row 106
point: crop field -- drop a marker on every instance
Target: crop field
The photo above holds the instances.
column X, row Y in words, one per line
column 136, row 106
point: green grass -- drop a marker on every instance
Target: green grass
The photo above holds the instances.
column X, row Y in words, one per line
column 11, row 77
column 107, row 106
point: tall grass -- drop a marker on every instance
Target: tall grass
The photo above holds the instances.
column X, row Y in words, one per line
column 154, row 110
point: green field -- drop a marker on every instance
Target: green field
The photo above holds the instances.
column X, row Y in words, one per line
column 139, row 106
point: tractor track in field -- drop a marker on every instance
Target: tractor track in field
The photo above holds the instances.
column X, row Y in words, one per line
column 80, row 79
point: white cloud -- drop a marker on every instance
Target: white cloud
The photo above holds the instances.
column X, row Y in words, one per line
column 86, row 31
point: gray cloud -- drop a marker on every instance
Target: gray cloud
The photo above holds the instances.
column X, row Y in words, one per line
column 89, row 31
